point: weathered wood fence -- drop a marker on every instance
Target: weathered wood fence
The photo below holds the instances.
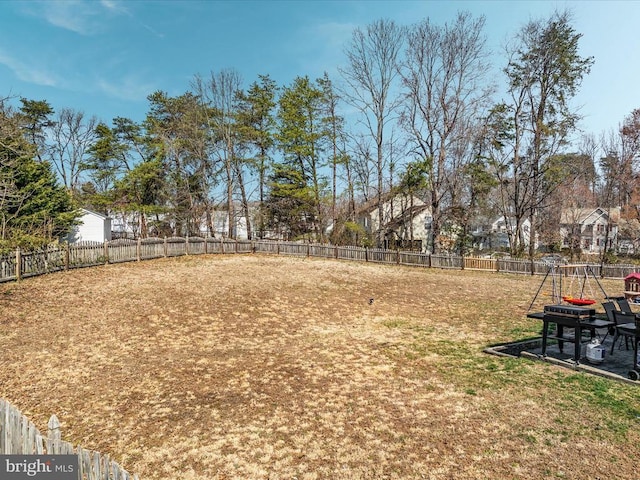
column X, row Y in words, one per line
column 67, row 256
column 18, row 435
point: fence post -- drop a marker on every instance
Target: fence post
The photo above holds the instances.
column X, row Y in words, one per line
column 186, row 245
column 429, row 264
column 236, row 245
column 138, row 248
column 366, row 254
column 66, row 255
column 166, row 247
column 308, row 250
column 54, row 437
column 497, row 264
column 463, row 260
column 18, row 264
column 54, row 429
column 397, row 256
column 206, row 237
column 106, row 252
column 221, row 244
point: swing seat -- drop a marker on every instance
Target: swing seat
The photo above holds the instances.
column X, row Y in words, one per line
column 578, row 301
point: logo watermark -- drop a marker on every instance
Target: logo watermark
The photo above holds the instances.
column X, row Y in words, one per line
column 49, row 467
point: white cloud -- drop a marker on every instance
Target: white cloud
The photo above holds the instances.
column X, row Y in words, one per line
column 80, row 16
column 74, row 15
column 85, row 17
column 114, row 6
column 29, row 73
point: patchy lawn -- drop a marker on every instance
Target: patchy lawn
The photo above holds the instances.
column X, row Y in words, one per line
column 260, row 367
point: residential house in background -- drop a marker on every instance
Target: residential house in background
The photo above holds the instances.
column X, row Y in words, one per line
column 220, row 225
column 406, row 222
column 592, row 230
column 494, row 234
column 129, row 225
column 91, row 227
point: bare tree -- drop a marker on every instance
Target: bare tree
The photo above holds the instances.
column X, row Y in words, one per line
column 220, row 94
column 619, row 168
column 363, row 166
column 444, row 77
column 72, row 135
column 371, row 73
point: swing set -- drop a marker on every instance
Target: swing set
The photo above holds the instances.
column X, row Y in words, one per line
column 579, row 292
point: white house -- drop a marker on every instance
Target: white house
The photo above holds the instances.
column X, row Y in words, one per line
column 128, row 225
column 92, row 227
column 220, row 224
column 406, row 221
column 495, row 234
column 586, row 228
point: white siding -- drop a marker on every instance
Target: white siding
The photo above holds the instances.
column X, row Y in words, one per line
column 93, row 227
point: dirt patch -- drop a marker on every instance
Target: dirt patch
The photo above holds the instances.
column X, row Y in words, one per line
column 271, row 367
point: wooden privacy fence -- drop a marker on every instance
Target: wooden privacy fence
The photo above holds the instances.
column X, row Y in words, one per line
column 66, row 256
column 19, row 436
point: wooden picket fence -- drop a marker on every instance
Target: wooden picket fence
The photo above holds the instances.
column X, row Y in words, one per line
column 19, row 436
column 67, row 256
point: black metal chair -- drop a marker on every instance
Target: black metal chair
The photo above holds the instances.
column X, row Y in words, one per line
column 609, row 308
column 632, row 331
column 625, row 327
column 623, row 305
column 608, row 323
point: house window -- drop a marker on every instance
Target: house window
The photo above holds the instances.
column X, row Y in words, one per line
column 600, row 228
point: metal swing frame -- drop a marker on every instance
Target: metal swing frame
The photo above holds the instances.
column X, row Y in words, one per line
column 556, row 272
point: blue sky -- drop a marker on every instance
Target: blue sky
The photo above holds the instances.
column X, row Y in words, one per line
column 105, row 57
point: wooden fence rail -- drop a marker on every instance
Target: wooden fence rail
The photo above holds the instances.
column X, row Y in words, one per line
column 66, row 256
column 19, row 436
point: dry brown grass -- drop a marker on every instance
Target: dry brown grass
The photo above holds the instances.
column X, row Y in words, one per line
column 269, row 367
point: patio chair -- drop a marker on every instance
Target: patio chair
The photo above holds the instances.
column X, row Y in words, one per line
column 609, row 308
column 625, row 327
column 610, row 323
column 632, row 331
column 623, row 305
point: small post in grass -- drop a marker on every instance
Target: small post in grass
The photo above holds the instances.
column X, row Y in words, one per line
column 18, row 264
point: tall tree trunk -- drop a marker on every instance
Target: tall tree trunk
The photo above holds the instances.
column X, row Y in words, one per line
column 230, row 211
column 244, row 200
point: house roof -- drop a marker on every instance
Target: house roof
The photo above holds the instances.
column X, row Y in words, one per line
column 406, row 214
column 586, row 216
column 372, row 204
column 95, row 214
column 633, row 275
